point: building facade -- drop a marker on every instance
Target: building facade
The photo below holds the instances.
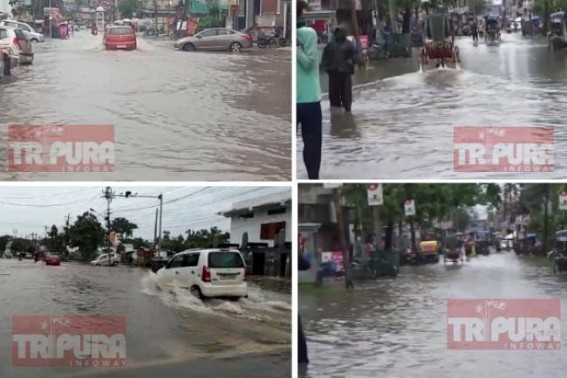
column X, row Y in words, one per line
column 262, row 219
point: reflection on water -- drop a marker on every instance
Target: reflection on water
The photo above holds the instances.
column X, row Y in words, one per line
column 177, row 116
column 404, row 118
column 395, row 328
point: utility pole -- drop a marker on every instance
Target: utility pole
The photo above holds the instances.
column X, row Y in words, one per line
column 129, row 194
column 156, row 228
column 342, row 239
column 108, row 194
column 545, row 220
column 67, row 230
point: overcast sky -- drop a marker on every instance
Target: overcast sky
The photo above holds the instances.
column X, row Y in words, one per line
column 29, row 209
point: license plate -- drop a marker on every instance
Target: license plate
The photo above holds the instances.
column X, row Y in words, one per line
column 121, row 46
column 227, row 276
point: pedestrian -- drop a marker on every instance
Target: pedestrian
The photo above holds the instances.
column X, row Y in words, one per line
column 339, row 58
column 308, row 94
column 302, row 342
column 474, row 29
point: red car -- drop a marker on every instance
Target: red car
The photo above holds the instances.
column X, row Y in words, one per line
column 120, row 38
column 52, row 260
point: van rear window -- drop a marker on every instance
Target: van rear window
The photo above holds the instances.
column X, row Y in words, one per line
column 225, row 260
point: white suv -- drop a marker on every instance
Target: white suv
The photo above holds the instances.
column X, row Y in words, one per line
column 104, row 260
column 208, row 273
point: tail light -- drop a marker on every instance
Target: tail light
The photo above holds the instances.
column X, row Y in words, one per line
column 206, row 274
column 17, row 42
column 248, row 37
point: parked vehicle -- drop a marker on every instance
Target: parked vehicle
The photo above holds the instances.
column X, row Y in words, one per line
column 105, row 260
column 31, row 34
column 20, row 41
column 273, row 40
column 120, row 38
column 207, row 273
column 218, row 39
column 9, row 51
column 429, row 251
column 52, row 259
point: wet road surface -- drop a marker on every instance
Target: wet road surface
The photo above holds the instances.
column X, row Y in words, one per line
column 397, row 328
column 168, row 331
column 402, row 120
column 176, row 115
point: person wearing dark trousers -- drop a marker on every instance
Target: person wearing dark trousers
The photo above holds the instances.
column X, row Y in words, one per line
column 339, row 58
column 308, row 90
column 302, row 342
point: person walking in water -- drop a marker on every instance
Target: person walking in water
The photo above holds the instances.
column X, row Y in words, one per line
column 308, row 94
column 304, row 264
column 474, row 30
column 339, row 58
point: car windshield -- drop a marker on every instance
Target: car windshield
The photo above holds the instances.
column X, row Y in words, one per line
column 225, row 260
column 120, row 31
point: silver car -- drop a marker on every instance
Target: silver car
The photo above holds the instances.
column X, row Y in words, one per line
column 17, row 37
column 31, row 34
column 215, row 39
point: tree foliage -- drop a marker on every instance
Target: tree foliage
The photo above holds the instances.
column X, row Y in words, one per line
column 87, row 234
column 127, row 8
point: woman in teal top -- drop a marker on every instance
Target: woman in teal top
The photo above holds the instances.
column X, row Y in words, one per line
column 308, row 99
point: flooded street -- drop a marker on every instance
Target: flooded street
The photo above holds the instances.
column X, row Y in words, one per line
column 398, row 328
column 168, row 332
column 176, row 116
column 402, row 119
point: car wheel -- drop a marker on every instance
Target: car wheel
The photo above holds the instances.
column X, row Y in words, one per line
column 235, row 47
column 188, row 47
column 115, row 263
column 196, row 292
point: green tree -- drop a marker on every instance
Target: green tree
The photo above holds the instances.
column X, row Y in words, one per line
column 87, row 234
column 128, row 7
column 123, row 226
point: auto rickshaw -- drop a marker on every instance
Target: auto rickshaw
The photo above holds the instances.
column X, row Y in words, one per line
column 453, row 249
column 557, row 37
column 429, row 251
column 559, row 256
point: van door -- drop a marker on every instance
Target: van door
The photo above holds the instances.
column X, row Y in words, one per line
column 191, row 268
column 171, row 272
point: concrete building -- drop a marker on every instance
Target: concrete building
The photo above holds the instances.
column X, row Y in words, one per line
column 5, row 9
column 262, row 218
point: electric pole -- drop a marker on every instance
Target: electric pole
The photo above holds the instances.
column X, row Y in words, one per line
column 129, row 194
column 108, row 194
column 342, row 239
column 545, row 219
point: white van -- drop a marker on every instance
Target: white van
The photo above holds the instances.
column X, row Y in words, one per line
column 208, row 273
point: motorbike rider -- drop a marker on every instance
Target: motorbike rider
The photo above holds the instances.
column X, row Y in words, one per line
column 94, row 29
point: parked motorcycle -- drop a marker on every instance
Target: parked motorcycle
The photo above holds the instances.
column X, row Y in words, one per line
column 273, row 40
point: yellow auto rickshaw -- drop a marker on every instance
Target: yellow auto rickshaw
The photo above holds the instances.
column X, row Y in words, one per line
column 429, row 251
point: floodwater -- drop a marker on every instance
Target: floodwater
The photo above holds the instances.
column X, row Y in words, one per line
column 398, row 327
column 168, row 332
column 176, row 116
column 402, row 120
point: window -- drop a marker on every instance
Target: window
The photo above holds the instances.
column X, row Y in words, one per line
column 279, row 210
column 225, row 32
column 191, row 260
column 121, row 31
column 176, row 262
column 3, row 34
column 208, row 33
column 269, row 231
column 225, row 260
